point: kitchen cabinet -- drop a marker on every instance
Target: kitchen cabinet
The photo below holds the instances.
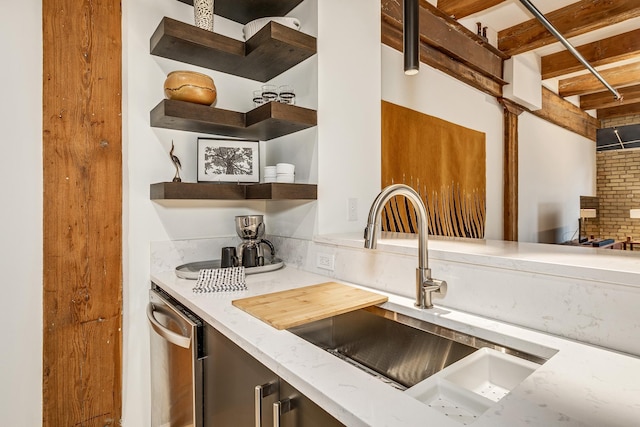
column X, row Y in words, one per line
column 240, row 391
column 303, row 412
column 272, row 50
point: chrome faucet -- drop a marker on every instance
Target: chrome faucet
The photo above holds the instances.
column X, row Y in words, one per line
column 425, row 284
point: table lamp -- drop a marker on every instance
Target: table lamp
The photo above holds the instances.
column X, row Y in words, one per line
column 634, row 214
column 584, row 214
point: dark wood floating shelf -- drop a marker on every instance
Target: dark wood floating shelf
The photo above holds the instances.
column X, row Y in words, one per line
column 231, row 191
column 265, row 122
column 271, row 51
column 244, row 11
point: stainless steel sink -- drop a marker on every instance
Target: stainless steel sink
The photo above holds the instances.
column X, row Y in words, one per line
column 398, row 349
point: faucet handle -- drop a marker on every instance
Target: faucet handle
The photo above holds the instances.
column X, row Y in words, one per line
column 429, row 287
column 370, row 236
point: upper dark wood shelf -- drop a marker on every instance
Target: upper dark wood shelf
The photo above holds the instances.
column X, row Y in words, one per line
column 230, row 191
column 271, row 51
column 265, row 122
column 244, row 11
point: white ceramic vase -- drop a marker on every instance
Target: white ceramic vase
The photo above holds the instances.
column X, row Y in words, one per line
column 203, row 14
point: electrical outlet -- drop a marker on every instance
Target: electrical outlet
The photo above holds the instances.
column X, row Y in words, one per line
column 325, row 261
column 352, row 209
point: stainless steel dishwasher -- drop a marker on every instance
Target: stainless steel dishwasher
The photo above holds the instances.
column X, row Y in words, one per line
column 177, row 354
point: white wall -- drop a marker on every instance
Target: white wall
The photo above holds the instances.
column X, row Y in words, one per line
column 348, row 111
column 21, row 216
column 291, row 218
column 556, row 166
column 347, row 157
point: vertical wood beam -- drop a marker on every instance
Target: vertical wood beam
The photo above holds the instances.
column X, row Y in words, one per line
column 510, row 208
column 82, row 249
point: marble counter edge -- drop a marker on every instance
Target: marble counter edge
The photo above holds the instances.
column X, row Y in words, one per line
column 590, row 264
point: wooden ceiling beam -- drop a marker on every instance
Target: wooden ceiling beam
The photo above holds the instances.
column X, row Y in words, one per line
column 602, row 52
column 449, row 37
column 605, row 99
column 621, row 111
column 566, row 115
column 392, row 37
column 624, row 75
column 458, row 9
column 577, row 18
column 554, row 109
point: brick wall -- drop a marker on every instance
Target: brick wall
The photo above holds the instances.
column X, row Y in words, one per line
column 618, row 189
column 620, row 121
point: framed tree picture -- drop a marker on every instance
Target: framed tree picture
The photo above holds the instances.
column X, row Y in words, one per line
column 228, row 160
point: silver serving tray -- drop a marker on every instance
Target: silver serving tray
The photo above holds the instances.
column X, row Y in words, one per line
column 192, row 269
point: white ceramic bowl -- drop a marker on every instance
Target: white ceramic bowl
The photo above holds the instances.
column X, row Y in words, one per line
column 254, row 26
column 285, row 178
column 282, row 168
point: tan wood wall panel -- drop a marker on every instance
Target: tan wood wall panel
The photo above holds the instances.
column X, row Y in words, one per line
column 444, row 162
column 82, row 253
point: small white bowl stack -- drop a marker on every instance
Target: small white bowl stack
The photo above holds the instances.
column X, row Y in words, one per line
column 254, row 26
column 270, row 174
column 285, row 172
column 282, row 172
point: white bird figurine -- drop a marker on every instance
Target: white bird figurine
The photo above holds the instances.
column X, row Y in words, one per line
column 176, row 163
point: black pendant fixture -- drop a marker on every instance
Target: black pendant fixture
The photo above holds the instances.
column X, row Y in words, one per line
column 411, row 42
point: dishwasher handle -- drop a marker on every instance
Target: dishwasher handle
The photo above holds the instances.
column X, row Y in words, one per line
column 260, row 392
column 172, row 337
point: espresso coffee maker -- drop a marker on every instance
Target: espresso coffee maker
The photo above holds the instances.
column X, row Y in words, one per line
column 251, row 229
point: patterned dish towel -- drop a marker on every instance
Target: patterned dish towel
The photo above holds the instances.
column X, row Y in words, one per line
column 220, row 280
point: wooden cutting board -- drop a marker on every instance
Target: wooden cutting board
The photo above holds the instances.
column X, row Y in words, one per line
column 294, row 307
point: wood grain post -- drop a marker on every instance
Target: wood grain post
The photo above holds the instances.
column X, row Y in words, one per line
column 82, row 249
column 510, row 215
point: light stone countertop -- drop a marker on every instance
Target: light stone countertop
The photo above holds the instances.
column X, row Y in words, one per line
column 589, row 263
column 580, row 385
